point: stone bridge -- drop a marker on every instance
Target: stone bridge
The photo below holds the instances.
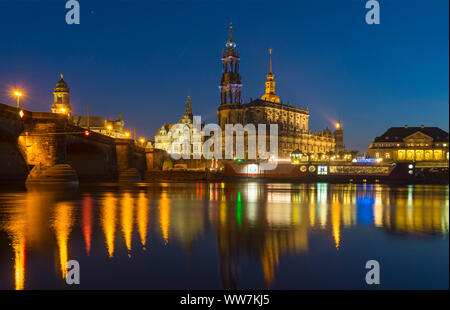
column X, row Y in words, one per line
column 40, row 145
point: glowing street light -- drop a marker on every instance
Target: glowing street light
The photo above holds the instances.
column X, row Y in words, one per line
column 142, row 140
column 18, row 94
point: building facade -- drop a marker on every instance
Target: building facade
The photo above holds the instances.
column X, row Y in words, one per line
column 168, row 134
column 293, row 129
column 411, row 144
column 112, row 128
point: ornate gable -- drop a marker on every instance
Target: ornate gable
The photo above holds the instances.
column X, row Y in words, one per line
column 418, row 136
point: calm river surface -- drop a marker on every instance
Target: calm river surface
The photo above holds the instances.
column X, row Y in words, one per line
column 225, row 235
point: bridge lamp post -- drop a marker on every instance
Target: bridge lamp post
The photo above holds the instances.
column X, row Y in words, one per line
column 18, row 94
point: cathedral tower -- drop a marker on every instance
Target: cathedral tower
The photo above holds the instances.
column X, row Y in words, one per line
column 61, row 102
column 188, row 115
column 270, row 84
column 231, row 83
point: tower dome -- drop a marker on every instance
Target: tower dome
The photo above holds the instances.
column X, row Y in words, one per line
column 61, row 86
column 61, row 103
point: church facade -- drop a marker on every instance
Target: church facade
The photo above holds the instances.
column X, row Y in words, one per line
column 294, row 134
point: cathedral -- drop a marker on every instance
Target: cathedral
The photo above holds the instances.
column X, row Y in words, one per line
column 293, row 131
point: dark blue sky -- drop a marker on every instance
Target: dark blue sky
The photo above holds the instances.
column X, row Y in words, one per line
column 142, row 58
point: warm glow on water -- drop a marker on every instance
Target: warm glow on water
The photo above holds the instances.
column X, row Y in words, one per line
column 225, row 235
column 62, row 224
column 164, row 216
column 108, row 220
column 87, row 221
column 127, row 218
column 142, row 217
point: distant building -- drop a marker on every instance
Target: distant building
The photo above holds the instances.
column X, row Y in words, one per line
column 411, row 144
column 293, row 129
column 61, row 105
column 112, row 128
column 61, row 102
column 169, row 133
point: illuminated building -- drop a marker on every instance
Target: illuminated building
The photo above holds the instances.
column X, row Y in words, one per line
column 412, row 144
column 293, row 130
column 61, row 103
column 112, row 128
column 169, row 133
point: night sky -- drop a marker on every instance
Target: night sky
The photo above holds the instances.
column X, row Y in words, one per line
column 142, row 58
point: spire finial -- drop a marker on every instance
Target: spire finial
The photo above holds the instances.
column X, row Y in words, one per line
column 270, row 60
column 231, row 30
column 61, row 76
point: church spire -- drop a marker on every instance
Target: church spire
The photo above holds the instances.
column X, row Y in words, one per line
column 270, row 60
column 231, row 31
column 188, row 108
column 270, row 84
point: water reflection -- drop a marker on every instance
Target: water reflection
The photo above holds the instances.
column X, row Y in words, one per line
column 108, row 220
column 62, row 222
column 256, row 221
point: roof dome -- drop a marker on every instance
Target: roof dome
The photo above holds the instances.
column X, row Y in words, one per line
column 62, row 85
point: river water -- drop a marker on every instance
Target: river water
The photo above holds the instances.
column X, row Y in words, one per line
column 245, row 235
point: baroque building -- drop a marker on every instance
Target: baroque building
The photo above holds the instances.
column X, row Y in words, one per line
column 61, row 103
column 170, row 133
column 411, row 144
column 293, row 129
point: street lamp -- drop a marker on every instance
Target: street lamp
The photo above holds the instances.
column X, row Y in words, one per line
column 18, row 94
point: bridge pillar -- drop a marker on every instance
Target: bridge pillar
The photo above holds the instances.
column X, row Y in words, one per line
column 44, row 147
column 155, row 158
column 126, row 163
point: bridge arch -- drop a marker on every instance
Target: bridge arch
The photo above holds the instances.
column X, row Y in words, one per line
column 90, row 161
